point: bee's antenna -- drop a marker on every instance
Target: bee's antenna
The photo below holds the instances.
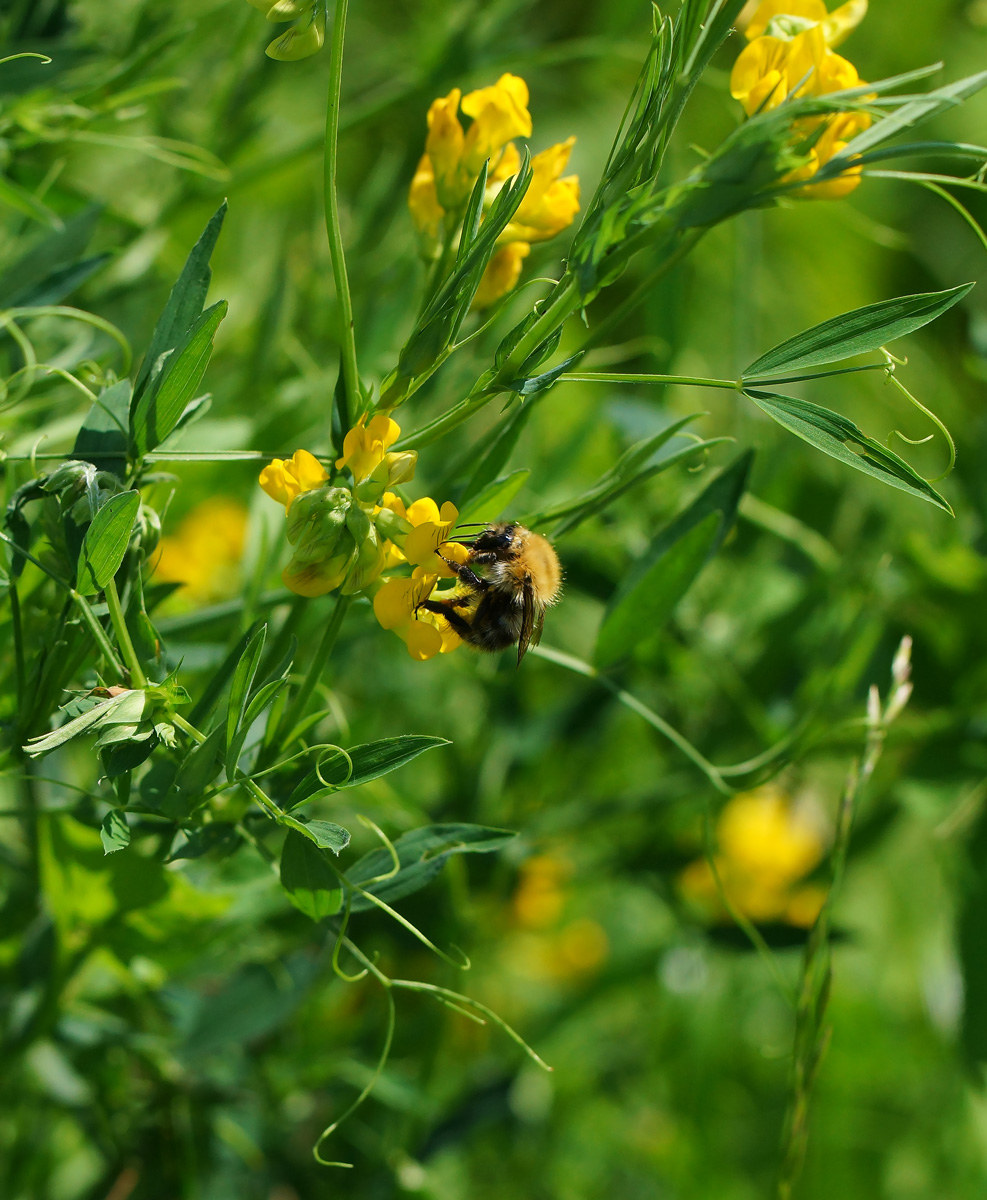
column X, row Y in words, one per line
column 471, row 524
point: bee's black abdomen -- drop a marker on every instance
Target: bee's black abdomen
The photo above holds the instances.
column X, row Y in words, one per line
column 495, row 624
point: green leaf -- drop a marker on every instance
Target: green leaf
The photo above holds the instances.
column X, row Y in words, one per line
column 126, row 708
column 200, row 765
column 422, row 854
column 243, row 678
column 263, row 697
column 114, row 832
column 217, row 835
column 160, row 406
column 499, row 450
column 185, row 301
column 369, row 761
column 34, row 278
column 663, row 575
column 837, row 436
column 494, row 498
column 104, row 436
column 634, row 466
column 325, row 834
column 106, row 542
column 855, row 332
column 308, row 879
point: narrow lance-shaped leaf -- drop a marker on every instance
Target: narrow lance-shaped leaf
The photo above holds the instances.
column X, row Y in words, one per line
column 243, row 678
column 185, row 301
column 495, row 498
column 360, row 764
column 104, row 435
column 106, row 542
column 160, row 406
column 855, row 332
column 421, row 856
column 646, row 599
column 841, row 439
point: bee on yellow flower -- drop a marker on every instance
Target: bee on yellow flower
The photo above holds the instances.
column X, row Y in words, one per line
column 790, row 53
column 766, row 848
column 453, row 159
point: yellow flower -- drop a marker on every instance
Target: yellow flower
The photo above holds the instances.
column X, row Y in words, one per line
column 836, row 26
column 766, row 847
column 432, row 528
column 365, row 446
column 550, row 203
column 396, row 607
column 502, row 273
column 423, row 200
column 789, row 52
column 286, row 478
column 499, row 114
column 453, row 159
column 205, row 552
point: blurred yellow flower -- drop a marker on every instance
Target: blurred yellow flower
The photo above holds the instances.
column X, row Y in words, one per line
column 789, row 52
column 502, row 273
column 286, row 478
column 766, row 847
column 365, row 446
column 205, row 551
column 544, row 950
column 550, row 203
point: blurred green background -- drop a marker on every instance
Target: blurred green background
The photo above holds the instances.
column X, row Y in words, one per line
column 193, row 1040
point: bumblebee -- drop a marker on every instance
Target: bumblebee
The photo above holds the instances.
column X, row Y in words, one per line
column 510, row 577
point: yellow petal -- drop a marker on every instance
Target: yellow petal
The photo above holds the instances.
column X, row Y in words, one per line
column 308, row 471
column 274, row 481
column 765, row 58
column 423, row 640
column 383, row 430
column 423, row 200
column 842, row 21
column 499, row 114
column 444, row 146
column 812, row 10
column 393, row 603
column 422, row 510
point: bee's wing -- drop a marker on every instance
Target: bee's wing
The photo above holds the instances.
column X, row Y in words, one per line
column 527, row 619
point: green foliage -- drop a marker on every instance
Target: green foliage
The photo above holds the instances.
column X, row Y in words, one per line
column 224, row 861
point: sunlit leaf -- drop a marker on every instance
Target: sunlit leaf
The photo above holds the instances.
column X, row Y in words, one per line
column 106, row 542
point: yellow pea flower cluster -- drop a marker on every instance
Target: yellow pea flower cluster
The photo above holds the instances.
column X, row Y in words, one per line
column 766, row 849
column 790, row 52
column 453, row 159
column 347, row 537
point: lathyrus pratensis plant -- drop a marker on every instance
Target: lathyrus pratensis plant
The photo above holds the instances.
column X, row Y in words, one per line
column 239, row 766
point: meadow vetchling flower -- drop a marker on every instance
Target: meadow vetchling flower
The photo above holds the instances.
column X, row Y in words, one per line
column 285, row 479
column 790, row 53
column 365, row 446
column 453, row 159
column 396, row 607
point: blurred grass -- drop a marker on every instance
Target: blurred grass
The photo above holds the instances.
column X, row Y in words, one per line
column 204, row 1042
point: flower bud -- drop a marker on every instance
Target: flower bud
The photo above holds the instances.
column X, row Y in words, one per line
column 316, row 519
column 299, row 41
column 369, row 563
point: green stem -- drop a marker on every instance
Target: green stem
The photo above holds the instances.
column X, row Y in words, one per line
column 18, row 632
column 681, row 743
column 99, row 634
column 137, row 676
column 262, row 798
column 621, row 377
column 563, row 306
column 318, row 665
column 349, row 398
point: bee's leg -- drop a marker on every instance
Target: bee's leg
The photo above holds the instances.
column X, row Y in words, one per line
column 443, row 609
column 466, row 575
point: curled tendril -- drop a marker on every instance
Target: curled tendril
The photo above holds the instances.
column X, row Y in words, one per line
column 319, row 762
column 368, row 1087
column 341, row 934
column 891, row 363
